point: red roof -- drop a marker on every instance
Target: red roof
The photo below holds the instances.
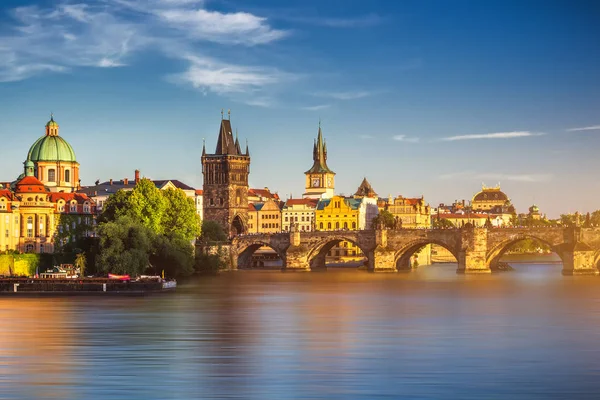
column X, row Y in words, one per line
column 251, row 207
column 79, row 197
column 6, row 193
column 263, row 193
column 30, row 184
column 199, row 192
column 308, row 202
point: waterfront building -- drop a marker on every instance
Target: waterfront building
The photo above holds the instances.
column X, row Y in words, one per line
column 300, row 212
column 489, row 198
column 319, row 179
column 31, row 213
column 199, row 202
column 534, row 213
column 54, row 161
column 225, row 174
column 264, row 217
column 410, row 213
column 368, row 209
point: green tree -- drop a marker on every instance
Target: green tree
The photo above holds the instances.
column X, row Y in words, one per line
column 116, row 206
column 125, row 246
column 80, row 262
column 147, row 205
column 384, row 218
column 174, row 256
column 180, row 218
column 441, row 223
column 212, row 232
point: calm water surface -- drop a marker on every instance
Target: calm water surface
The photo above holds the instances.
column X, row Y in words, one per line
column 432, row 334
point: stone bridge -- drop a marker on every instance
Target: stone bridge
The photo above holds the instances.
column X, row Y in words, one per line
column 477, row 250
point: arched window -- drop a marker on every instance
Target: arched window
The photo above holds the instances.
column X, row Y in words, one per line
column 29, row 227
column 345, row 225
column 52, row 175
column 321, row 226
column 354, row 225
column 337, row 225
column 67, row 176
column 329, row 225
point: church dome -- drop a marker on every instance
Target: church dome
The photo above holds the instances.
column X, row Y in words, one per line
column 51, row 147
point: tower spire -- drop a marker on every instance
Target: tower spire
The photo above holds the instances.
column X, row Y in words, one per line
column 203, row 146
column 247, row 151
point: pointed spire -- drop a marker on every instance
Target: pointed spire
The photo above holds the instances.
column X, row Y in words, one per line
column 247, row 151
column 237, row 144
column 319, row 155
column 203, row 146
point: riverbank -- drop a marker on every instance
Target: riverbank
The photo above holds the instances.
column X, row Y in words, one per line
column 85, row 286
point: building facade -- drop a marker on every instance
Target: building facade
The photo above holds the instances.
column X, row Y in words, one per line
column 264, row 217
column 319, row 179
column 225, row 188
column 410, row 213
column 368, row 209
column 299, row 212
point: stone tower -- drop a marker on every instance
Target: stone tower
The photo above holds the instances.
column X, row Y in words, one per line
column 319, row 178
column 225, row 176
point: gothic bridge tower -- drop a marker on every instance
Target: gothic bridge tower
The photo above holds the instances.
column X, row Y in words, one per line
column 225, row 176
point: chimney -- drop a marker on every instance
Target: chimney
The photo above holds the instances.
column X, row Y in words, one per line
column 137, row 176
column 125, row 181
column 110, row 182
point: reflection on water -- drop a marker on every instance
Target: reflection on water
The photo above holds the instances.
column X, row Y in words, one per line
column 344, row 334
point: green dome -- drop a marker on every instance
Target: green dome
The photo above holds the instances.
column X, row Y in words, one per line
column 51, row 148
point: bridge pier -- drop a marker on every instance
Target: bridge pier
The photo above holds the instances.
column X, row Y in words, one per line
column 472, row 258
column 296, row 260
column 579, row 261
column 382, row 260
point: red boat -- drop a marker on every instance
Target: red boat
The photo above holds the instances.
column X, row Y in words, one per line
column 119, row 277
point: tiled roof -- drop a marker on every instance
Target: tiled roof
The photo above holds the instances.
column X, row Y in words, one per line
column 178, row 184
column 266, row 193
column 199, row 192
column 30, row 184
column 307, row 202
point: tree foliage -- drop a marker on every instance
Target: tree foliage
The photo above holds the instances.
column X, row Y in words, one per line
column 158, row 229
column 441, row 223
column 384, row 218
column 125, row 246
column 212, row 232
column 180, row 218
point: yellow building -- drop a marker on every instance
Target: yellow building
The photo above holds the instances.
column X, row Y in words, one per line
column 340, row 213
column 410, row 213
column 337, row 213
column 264, row 217
column 489, row 198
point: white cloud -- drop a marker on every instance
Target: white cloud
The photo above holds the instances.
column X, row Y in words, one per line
column 404, row 138
column 109, row 33
column 350, row 95
column 316, row 108
column 233, row 28
column 493, row 176
column 365, row 137
column 215, row 76
column 586, row 128
column 497, row 135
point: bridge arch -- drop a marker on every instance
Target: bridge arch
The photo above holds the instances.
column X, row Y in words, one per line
column 317, row 254
column 402, row 257
column 247, row 249
column 495, row 253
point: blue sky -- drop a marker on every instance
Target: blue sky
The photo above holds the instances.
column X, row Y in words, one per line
column 422, row 97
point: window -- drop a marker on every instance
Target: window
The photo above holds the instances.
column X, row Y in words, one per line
column 329, row 225
column 41, row 248
column 7, row 233
column 345, row 225
column 354, row 225
column 29, row 248
column 337, row 225
column 29, row 227
column 321, row 225
column 67, row 176
column 52, row 175
column 73, row 207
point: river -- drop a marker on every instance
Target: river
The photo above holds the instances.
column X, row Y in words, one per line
column 430, row 334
